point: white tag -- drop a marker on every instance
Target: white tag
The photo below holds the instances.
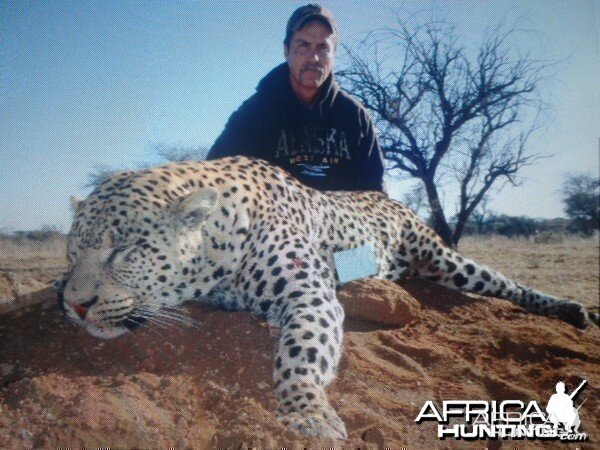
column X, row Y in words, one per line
column 355, row 263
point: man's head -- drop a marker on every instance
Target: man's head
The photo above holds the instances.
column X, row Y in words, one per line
column 560, row 387
column 309, row 13
column 309, row 47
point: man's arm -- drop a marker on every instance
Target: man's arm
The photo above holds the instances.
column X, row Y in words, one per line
column 239, row 135
column 370, row 175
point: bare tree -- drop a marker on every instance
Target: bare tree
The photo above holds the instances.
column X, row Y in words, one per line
column 180, row 153
column 416, row 199
column 97, row 176
column 447, row 114
column 481, row 215
column 170, row 153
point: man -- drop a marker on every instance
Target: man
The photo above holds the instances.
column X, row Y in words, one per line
column 300, row 120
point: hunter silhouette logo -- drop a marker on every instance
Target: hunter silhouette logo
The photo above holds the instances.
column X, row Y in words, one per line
column 561, row 410
column 508, row 419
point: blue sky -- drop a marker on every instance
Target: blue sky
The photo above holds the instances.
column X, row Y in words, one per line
column 88, row 84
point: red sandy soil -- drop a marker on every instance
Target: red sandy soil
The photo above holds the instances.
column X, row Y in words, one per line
column 211, row 387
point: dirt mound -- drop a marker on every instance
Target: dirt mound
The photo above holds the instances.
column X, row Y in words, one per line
column 211, row 386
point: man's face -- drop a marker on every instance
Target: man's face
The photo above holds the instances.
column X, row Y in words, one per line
column 311, row 55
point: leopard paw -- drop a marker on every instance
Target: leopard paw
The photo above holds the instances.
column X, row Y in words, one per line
column 321, row 423
column 573, row 313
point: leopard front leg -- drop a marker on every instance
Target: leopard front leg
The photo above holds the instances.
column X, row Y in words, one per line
column 293, row 288
column 307, row 358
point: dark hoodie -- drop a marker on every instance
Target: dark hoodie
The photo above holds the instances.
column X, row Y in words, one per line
column 330, row 146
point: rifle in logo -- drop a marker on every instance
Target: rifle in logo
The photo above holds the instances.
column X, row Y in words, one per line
column 577, row 389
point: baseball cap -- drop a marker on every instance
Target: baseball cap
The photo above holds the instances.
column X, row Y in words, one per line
column 306, row 13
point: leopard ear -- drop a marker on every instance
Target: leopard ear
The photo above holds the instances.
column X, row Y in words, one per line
column 194, row 209
column 75, row 202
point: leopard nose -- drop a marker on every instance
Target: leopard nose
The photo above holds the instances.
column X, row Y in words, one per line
column 82, row 309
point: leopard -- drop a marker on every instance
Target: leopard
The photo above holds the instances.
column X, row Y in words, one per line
column 239, row 233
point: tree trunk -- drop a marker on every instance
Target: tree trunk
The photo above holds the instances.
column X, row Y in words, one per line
column 440, row 225
column 460, row 227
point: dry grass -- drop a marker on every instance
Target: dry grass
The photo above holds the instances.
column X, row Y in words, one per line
column 43, row 259
column 569, row 268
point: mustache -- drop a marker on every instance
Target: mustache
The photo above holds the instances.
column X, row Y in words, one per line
column 313, row 68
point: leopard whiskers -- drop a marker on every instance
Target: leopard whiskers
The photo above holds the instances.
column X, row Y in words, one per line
column 152, row 318
column 162, row 317
column 152, row 330
column 166, row 317
column 180, row 318
column 179, row 313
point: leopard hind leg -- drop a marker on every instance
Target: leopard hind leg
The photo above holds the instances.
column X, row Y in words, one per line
column 446, row 267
